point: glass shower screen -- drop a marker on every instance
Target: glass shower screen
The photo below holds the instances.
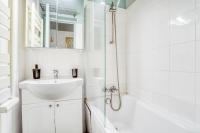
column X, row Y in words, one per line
column 95, row 55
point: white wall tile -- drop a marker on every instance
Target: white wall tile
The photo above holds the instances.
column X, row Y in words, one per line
column 198, row 56
column 197, row 3
column 197, row 13
column 183, row 57
column 133, row 71
column 179, row 7
column 198, row 31
column 163, row 58
column 197, row 88
column 198, row 115
column 48, row 59
column 182, row 20
column 161, row 23
column 181, row 33
column 161, row 82
column 182, row 86
column 161, row 53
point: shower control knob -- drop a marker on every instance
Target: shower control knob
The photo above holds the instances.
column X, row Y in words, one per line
column 50, row 106
column 57, row 105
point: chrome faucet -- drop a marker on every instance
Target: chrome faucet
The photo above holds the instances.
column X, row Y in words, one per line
column 55, row 73
column 112, row 89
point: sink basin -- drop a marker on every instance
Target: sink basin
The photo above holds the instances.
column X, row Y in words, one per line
column 51, row 89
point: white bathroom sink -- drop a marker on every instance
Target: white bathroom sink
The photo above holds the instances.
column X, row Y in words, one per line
column 51, row 89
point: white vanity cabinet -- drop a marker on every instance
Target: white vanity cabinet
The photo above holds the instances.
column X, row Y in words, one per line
column 48, row 108
column 38, row 118
column 65, row 121
column 53, row 117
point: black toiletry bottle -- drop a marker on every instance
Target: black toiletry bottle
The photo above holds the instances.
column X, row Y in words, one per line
column 74, row 72
column 36, row 72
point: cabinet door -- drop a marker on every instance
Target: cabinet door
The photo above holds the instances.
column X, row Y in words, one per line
column 68, row 116
column 38, row 118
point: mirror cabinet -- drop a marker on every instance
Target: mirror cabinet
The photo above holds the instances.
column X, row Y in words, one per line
column 55, row 24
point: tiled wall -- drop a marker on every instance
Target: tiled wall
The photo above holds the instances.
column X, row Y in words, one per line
column 48, row 59
column 96, row 50
column 111, row 71
column 163, row 54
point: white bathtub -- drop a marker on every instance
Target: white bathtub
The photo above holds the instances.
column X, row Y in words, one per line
column 135, row 117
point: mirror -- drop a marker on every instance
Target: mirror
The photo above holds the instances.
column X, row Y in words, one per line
column 55, row 24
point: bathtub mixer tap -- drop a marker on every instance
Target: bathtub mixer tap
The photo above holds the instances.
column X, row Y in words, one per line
column 109, row 100
column 55, row 74
column 112, row 89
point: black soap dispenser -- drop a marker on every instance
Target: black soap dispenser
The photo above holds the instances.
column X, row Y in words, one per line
column 74, row 72
column 36, row 72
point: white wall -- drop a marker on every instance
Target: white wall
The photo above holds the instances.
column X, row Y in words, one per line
column 13, row 123
column 49, row 59
column 17, row 59
column 163, row 46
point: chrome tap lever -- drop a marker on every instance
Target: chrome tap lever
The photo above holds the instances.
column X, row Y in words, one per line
column 55, row 73
column 112, row 89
